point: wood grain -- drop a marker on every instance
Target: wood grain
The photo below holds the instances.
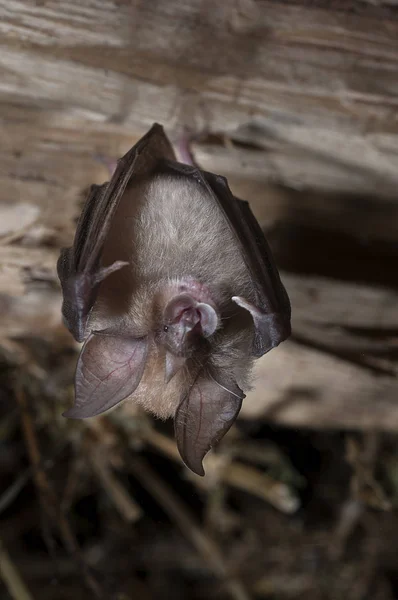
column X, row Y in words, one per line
column 295, row 101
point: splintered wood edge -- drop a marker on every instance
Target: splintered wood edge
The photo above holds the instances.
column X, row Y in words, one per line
column 300, row 387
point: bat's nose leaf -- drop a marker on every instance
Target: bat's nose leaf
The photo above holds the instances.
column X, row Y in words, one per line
column 204, row 416
column 109, row 369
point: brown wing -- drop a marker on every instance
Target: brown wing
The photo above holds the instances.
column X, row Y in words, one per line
column 109, row 370
column 271, row 311
column 204, row 416
column 79, row 267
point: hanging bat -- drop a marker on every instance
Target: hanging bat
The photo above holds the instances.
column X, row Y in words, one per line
column 172, row 287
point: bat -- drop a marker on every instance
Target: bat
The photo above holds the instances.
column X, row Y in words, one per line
column 172, row 287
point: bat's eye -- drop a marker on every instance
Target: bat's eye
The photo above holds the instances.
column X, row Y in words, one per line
column 165, row 328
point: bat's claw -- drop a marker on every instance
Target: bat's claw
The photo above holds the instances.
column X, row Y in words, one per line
column 270, row 328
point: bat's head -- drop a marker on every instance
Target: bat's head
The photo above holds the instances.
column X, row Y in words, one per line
column 187, row 319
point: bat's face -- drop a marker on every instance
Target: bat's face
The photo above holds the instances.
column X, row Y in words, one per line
column 185, row 322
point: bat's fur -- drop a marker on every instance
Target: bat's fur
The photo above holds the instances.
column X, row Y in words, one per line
column 173, row 234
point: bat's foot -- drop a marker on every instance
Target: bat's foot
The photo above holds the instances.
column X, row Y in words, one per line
column 184, row 149
column 184, row 145
column 101, row 274
column 110, row 163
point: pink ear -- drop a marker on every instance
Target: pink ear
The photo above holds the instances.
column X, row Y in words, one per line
column 204, row 416
column 184, row 310
column 108, row 370
column 178, row 305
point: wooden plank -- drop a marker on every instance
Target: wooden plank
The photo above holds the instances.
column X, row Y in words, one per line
column 300, row 387
column 323, row 301
column 339, row 370
column 313, row 86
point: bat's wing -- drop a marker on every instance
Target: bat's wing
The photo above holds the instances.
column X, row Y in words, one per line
column 109, row 369
column 271, row 311
column 204, row 416
column 79, row 267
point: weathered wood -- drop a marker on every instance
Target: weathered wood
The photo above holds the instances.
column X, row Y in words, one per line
column 300, row 387
column 323, row 302
column 305, row 95
column 313, row 88
column 296, row 102
column 339, row 369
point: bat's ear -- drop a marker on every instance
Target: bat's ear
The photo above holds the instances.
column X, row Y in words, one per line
column 185, row 310
column 204, row 416
column 184, row 320
column 109, row 369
